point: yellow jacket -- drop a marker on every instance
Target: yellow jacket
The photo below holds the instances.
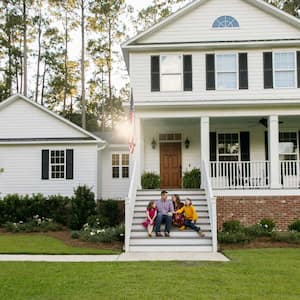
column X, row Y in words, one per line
column 189, row 212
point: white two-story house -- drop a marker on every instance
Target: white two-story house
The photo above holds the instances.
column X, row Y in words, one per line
column 216, row 86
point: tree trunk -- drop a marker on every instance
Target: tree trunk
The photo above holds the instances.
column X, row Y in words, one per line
column 43, row 85
column 111, row 104
column 39, row 57
column 83, row 100
column 66, row 63
column 25, row 47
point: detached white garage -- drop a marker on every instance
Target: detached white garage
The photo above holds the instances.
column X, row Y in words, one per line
column 41, row 152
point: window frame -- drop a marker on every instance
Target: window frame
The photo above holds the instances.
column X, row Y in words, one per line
column 297, row 154
column 120, row 165
column 274, row 70
column 55, row 164
column 224, row 155
column 226, row 27
column 161, row 73
column 237, row 72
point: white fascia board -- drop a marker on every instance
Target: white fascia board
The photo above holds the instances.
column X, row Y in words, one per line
column 52, row 142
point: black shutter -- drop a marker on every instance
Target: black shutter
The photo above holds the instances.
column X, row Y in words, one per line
column 45, row 164
column 298, row 67
column 188, row 73
column 267, row 145
column 243, row 71
column 155, row 74
column 268, row 70
column 245, row 145
column 210, row 72
column 70, row 164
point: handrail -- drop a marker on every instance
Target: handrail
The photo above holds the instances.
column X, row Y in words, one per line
column 129, row 204
column 211, row 201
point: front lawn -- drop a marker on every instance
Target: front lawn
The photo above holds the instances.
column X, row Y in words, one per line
column 252, row 274
column 42, row 244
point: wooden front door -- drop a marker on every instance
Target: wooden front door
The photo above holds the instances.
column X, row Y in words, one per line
column 170, row 165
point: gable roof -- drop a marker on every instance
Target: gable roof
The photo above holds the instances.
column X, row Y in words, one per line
column 260, row 4
column 89, row 136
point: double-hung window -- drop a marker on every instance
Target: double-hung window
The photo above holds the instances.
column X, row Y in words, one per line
column 288, row 145
column 171, row 73
column 226, row 71
column 284, row 64
column 228, row 147
column 57, row 164
column 120, row 165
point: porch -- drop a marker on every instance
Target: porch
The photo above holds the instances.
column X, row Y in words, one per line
column 242, row 153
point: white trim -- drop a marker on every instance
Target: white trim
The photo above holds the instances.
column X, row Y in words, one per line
column 13, row 98
column 257, row 192
column 120, row 165
column 55, row 164
column 49, row 142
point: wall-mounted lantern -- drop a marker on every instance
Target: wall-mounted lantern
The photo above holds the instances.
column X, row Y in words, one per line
column 187, row 143
column 153, row 144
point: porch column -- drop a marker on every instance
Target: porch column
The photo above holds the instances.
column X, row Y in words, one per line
column 138, row 150
column 204, row 141
column 274, row 152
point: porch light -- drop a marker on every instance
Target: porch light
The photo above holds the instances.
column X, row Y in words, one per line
column 187, row 143
column 153, row 143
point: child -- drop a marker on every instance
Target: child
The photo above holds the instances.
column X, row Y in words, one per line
column 178, row 219
column 190, row 217
column 151, row 215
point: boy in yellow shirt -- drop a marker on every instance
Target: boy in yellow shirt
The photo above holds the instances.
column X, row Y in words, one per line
column 190, row 217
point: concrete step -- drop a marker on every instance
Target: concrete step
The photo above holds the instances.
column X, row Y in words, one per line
column 142, row 208
column 183, row 197
column 144, row 203
column 140, row 220
column 172, row 192
column 174, row 234
column 170, row 249
column 170, row 242
column 138, row 226
column 142, row 214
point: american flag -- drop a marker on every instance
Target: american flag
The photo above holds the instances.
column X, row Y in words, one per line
column 131, row 123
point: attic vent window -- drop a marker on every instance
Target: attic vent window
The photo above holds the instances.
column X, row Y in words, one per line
column 226, row 22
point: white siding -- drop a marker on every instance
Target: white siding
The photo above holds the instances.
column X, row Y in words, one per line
column 22, row 170
column 23, row 120
column 196, row 26
column 111, row 188
column 141, row 81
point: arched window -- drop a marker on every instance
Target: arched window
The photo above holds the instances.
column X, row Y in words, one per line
column 226, row 22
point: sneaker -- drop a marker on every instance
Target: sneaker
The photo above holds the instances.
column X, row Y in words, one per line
column 158, row 234
column 182, row 228
column 201, row 233
column 167, row 234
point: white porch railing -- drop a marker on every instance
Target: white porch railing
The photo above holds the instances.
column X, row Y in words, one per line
column 129, row 205
column 240, row 174
column 212, row 205
column 290, row 174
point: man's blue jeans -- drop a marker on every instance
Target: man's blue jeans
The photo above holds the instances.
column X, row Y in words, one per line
column 163, row 219
column 191, row 224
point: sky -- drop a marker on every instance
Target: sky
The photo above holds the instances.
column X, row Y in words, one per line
column 138, row 4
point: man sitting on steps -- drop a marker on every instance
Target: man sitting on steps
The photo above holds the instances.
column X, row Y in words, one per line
column 165, row 212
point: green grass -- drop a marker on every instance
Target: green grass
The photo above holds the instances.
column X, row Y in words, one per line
column 252, row 274
column 41, row 244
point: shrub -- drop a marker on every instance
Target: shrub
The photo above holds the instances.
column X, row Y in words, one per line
column 105, row 235
column 233, row 237
column 37, row 224
column 110, row 213
column 150, row 181
column 295, row 226
column 286, row 237
column 83, row 206
column 233, row 226
column 257, row 231
column 98, row 222
column 267, row 224
column 192, row 179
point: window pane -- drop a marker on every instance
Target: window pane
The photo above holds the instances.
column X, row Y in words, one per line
column 287, row 142
column 229, row 158
column 228, row 143
column 284, row 79
column 115, row 172
column 285, row 61
column 226, row 80
column 125, row 172
column 226, row 63
column 171, row 64
column 115, row 159
column 171, row 83
column 125, row 159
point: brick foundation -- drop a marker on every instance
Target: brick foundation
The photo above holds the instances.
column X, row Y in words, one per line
column 250, row 210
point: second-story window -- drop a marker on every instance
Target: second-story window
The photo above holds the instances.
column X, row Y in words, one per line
column 285, row 70
column 171, row 73
column 226, row 71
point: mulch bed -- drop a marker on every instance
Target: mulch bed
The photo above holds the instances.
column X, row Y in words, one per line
column 257, row 244
column 65, row 236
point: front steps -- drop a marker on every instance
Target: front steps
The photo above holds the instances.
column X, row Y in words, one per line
column 179, row 241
